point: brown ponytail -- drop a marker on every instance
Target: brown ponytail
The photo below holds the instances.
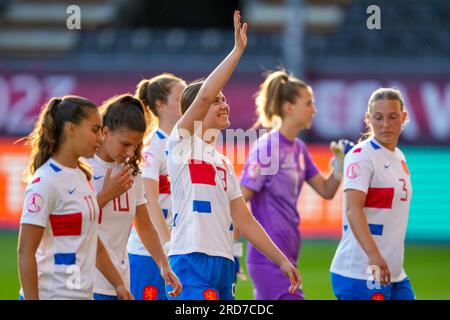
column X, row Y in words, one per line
column 149, row 91
column 47, row 135
column 278, row 87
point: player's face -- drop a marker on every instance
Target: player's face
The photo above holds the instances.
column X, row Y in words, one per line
column 304, row 108
column 386, row 119
column 173, row 109
column 87, row 134
column 121, row 143
column 218, row 114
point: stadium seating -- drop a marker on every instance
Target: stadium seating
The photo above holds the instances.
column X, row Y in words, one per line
column 335, row 33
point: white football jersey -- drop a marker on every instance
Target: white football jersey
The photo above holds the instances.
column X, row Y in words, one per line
column 384, row 176
column 63, row 202
column 116, row 219
column 155, row 168
column 203, row 185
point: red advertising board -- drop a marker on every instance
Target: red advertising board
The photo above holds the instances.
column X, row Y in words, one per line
column 319, row 217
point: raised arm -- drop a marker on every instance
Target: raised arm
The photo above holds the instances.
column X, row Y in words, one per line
column 327, row 187
column 217, row 79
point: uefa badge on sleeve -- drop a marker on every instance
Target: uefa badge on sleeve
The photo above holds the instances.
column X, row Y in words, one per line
column 35, row 203
column 147, row 159
column 352, row 170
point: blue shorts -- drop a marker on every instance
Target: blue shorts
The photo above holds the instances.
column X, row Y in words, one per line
column 98, row 296
column 204, row 277
column 354, row 289
column 145, row 278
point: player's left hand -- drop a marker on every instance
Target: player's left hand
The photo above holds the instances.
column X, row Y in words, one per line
column 293, row 274
column 123, row 293
column 172, row 280
column 240, row 32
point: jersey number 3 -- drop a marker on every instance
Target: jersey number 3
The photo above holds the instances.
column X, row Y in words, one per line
column 405, row 194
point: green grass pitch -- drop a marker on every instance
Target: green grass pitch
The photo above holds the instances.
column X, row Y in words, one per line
column 427, row 265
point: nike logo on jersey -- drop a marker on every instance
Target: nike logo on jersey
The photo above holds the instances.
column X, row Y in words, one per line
column 72, row 191
column 97, row 177
column 386, row 166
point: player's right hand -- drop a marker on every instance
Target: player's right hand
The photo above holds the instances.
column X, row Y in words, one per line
column 120, row 183
column 293, row 274
column 123, row 293
column 380, row 269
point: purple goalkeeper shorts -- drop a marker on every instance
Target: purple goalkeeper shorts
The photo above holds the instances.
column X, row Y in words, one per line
column 270, row 283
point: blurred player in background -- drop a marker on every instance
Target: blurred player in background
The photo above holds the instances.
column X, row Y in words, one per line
column 205, row 192
column 121, row 196
column 285, row 104
column 58, row 243
column 368, row 263
column 160, row 94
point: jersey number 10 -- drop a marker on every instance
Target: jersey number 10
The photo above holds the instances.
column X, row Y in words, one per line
column 119, row 206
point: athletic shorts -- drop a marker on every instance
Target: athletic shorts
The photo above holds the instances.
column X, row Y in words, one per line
column 354, row 289
column 145, row 278
column 204, row 277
